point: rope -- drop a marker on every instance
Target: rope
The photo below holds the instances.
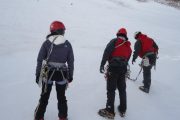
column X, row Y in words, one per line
column 46, row 74
column 136, row 77
column 138, row 73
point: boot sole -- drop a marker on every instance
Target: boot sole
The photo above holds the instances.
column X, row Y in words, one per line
column 144, row 90
column 105, row 115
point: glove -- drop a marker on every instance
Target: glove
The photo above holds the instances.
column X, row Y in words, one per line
column 101, row 69
column 37, row 79
column 133, row 60
column 70, row 79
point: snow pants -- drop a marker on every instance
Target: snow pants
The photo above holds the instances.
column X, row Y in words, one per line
column 43, row 101
column 116, row 80
column 147, row 76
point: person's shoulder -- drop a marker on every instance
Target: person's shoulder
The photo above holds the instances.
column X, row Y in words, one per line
column 67, row 43
column 114, row 39
column 46, row 43
column 128, row 42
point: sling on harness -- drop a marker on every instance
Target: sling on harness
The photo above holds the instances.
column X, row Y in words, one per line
column 51, row 66
column 44, row 67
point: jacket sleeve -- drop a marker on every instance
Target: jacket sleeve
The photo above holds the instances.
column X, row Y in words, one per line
column 137, row 48
column 107, row 52
column 41, row 56
column 70, row 61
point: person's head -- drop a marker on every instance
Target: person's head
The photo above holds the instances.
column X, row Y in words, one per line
column 122, row 32
column 57, row 28
column 136, row 34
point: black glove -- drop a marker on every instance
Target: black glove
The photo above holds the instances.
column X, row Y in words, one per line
column 101, row 69
column 133, row 60
column 70, row 79
column 37, row 79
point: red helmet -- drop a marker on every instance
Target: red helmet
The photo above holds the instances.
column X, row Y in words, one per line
column 122, row 31
column 56, row 25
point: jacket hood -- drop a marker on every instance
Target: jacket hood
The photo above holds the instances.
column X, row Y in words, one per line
column 59, row 40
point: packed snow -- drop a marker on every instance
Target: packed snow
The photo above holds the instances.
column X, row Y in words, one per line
column 90, row 25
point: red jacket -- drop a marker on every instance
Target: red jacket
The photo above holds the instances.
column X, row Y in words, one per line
column 123, row 50
column 146, row 45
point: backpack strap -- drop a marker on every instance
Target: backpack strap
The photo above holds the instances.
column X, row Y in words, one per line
column 120, row 44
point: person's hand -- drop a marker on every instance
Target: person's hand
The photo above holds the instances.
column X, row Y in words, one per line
column 70, row 79
column 101, row 69
column 37, row 79
column 133, row 61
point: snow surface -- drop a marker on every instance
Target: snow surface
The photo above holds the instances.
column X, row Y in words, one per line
column 90, row 25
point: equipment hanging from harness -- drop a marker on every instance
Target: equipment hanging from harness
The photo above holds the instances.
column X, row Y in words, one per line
column 49, row 68
column 44, row 67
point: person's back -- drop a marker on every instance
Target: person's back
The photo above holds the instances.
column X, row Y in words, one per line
column 117, row 53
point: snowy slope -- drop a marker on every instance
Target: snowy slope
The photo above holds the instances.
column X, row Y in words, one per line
column 90, row 25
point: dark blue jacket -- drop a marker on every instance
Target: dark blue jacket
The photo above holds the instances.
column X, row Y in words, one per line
column 62, row 52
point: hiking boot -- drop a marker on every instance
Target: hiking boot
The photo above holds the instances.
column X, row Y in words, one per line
column 142, row 88
column 121, row 113
column 106, row 113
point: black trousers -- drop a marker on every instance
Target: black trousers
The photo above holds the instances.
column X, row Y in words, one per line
column 43, row 101
column 147, row 76
column 116, row 80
